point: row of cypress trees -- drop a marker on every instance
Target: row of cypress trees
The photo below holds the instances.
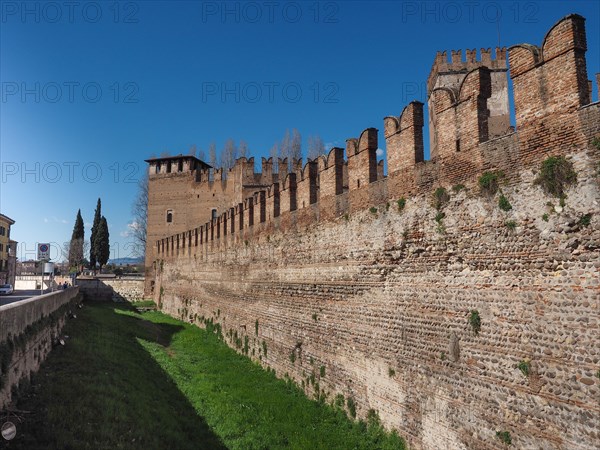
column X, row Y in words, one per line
column 99, row 241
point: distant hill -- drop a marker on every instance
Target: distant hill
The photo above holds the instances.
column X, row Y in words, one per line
column 125, row 261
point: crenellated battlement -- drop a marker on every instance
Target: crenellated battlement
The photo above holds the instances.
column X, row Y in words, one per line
column 450, row 78
column 442, row 67
column 396, row 299
column 469, row 133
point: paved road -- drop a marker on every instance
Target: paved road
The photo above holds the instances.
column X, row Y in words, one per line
column 17, row 296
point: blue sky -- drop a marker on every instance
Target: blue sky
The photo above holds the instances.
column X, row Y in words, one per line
column 91, row 90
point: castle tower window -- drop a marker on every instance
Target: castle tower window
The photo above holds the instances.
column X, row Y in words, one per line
column 157, row 168
column 169, row 216
column 458, row 145
column 169, row 167
column 180, row 166
column 214, row 214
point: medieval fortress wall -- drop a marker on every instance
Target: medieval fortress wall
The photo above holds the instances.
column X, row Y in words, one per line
column 322, row 276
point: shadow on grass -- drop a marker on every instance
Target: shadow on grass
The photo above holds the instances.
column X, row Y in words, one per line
column 103, row 390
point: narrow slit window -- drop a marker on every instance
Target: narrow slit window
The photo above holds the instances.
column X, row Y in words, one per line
column 169, row 216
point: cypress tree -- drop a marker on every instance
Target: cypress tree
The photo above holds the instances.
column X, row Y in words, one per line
column 76, row 244
column 95, row 226
column 101, row 243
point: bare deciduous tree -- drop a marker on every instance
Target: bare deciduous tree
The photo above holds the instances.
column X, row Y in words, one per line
column 316, row 147
column 275, row 153
column 243, row 149
column 139, row 210
column 228, row 156
column 197, row 152
column 295, row 146
column 285, row 147
column 212, row 154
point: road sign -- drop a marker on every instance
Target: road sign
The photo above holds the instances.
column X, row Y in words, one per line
column 43, row 252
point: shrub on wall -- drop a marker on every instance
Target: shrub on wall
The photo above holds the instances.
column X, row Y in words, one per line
column 525, row 367
column 401, row 203
column 475, row 321
column 489, row 182
column 556, row 174
column 504, row 436
column 504, row 204
column 585, row 220
column 440, row 197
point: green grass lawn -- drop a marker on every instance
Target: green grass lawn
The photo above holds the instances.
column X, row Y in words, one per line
column 147, row 381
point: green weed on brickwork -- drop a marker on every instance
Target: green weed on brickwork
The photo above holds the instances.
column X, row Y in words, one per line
column 440, row 198
column 475, row 321
column 556, row 175
column 489, row 182
column 401, row 203
column 525, row 367
column 504, row 204
column 585, row 220
column 504, row 436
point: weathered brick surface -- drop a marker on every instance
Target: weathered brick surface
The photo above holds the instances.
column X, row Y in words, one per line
column 404, row 138
column 381, row 298
column 388, row 291
column 550, row 83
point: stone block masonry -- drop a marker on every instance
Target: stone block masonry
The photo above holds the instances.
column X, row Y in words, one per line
column 112, row 289
column 459, row 323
